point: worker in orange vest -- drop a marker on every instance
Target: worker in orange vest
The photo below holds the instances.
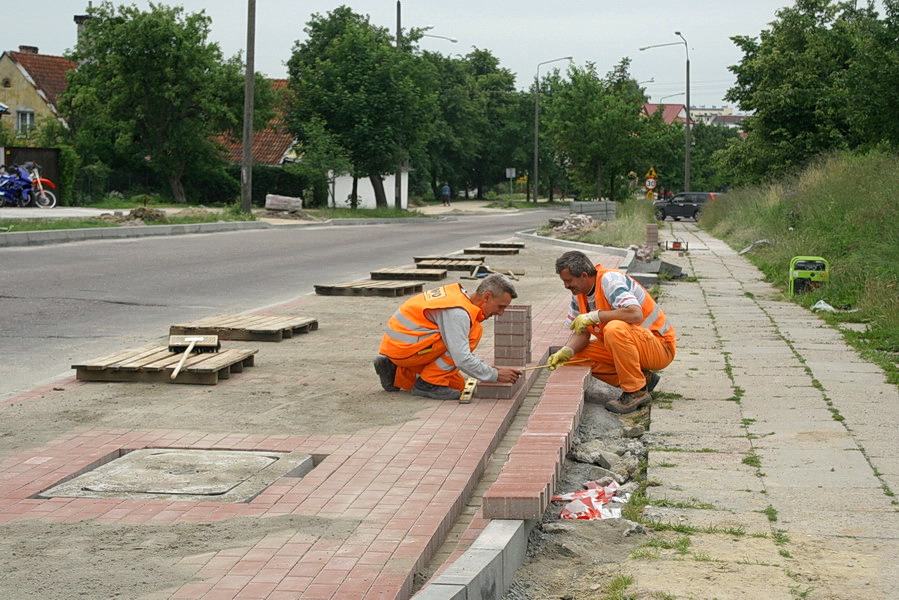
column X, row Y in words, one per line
column 432, row 336
column 631, row 336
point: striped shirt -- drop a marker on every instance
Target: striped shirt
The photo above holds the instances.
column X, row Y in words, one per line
column 618, row 288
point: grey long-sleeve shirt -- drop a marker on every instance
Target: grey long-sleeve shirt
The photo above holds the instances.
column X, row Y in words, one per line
column 454, row 325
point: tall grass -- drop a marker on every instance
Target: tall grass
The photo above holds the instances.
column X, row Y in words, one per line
column 844, row 209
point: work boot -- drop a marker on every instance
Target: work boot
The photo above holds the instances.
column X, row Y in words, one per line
column 628, row 402
column 437, row 392
column 386, row 370
column 652, row 380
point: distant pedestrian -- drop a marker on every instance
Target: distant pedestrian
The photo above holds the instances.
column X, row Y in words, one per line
column 445, row 194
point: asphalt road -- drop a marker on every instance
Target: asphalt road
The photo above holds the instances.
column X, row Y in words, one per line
column 64, row 303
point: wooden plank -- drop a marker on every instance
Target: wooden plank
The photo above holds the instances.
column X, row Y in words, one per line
column 454, row 257
column 493, row 251
column 450, row 265
column 138, row 364
column 370, row 287
column 221, row 360
column 409, row 273
column 104, row 361
column 502, row 244
column 256, row 327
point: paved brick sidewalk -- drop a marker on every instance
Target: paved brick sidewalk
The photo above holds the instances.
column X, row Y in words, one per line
column 397, row 489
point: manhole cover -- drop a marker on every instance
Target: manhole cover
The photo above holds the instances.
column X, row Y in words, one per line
column 225, row 475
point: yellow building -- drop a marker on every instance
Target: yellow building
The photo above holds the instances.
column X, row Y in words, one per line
column 30, row 85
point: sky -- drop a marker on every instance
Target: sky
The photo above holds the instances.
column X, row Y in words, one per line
column 521, row 34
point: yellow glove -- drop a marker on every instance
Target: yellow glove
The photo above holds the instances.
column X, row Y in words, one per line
column 559, row 358
column 582, row 322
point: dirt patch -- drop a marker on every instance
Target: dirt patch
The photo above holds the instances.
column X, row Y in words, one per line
column 298, row 215
column 143, row 558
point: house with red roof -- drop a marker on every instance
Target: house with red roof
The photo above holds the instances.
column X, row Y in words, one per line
column 670, row 112
column 30, row 85
column 274, row 146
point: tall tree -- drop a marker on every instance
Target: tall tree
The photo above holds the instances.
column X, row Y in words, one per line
column 501, row 127
column 349, row 81
column 815, row 81
column 599, row 125
column 149, row 89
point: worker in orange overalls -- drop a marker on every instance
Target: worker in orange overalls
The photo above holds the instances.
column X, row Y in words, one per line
column 432, row 336
column 632, row 336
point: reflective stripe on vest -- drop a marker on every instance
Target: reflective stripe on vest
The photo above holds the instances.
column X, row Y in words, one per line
column 409, row 331
column 653, row 317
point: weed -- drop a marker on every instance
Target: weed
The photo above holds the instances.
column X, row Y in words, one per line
column 797, row 593
column 617, row 586
column 771, row 513
column 785, row 553
column 752, row 460
column 780, row 537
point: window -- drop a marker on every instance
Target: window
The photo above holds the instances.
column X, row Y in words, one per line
column 24, row 122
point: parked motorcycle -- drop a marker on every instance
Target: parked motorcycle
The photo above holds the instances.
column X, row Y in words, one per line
column 22, row 185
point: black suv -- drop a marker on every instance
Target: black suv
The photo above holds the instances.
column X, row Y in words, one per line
column 685, row 204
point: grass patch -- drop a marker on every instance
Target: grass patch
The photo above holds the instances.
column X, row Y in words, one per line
column 694, row 504
column 616, row 588
column 19, row 225
column 752, row 460
column 771, row 513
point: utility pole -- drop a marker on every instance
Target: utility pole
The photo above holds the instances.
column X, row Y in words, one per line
column 246, row 163
column 398, row 176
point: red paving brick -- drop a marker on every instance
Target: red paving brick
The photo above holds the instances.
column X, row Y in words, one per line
column 405, row 484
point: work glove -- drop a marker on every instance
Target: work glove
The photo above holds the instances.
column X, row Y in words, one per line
column 583, row 321
column 559, row 358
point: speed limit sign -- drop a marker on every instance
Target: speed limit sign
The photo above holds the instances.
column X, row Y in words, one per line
column 650, row 184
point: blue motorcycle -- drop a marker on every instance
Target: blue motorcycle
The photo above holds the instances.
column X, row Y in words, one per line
column 20, row 185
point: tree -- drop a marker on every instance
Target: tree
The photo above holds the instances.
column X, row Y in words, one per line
column 348, row 81
column 822, row 78
column 599, row 125
column 501, row 129
column 150, row 91
column 458, row 126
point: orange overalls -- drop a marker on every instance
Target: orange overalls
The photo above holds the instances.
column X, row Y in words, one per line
column 621, row 351
column 413, row 342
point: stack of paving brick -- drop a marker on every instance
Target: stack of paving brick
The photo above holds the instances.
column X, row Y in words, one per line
column 511, row 348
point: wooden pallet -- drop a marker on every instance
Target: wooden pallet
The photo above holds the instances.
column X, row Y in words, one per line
column 371, row 287
column 154, row 364
column 502, row 244
column 450, row 265
column 262, row 328
column 455, row 257
column 493, row 251
column 406, row 273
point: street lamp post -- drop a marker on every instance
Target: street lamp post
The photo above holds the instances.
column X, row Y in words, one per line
column 537, row 123
column 689, row 123
column 246, row 160
column 440, row 37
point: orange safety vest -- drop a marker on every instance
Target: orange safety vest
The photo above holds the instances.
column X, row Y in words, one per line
column 409, row 331
column 653, row 317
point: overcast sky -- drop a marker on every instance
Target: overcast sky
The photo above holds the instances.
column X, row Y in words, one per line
column 520, row 34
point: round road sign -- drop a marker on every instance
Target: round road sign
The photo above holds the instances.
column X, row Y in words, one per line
column 650, row 184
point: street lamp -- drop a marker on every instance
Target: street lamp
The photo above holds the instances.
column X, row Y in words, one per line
column 671, row 96
column 537, row 122
column 440, row 37
column 688, row 124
